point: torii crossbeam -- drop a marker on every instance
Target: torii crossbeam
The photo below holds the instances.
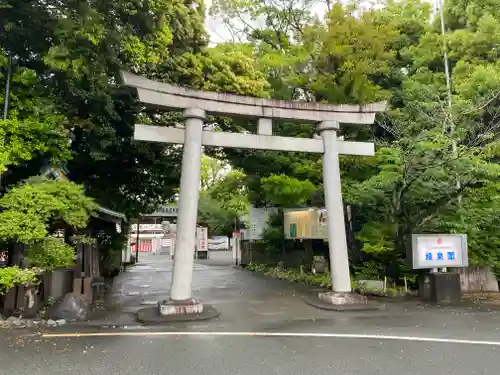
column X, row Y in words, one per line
column 196, row 105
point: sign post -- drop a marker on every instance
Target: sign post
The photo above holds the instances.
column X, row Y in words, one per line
column 202, row 243
column 137, row 240
column 236, row 242
column 439, row 251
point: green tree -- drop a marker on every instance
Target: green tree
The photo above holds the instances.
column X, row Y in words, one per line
column 13, row 276
column 213, row 215
column 24, row 139
column 50, row 254
column 77, row 50
column 285, row 191
column 223, row 199
column 30, row 211
column 33, row 129
column 232, row 192
column 212, row 170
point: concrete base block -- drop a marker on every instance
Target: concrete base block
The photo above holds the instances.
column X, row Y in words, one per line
column 170, row 307
column 342, row 302
column 440, row 288
column 336, row 298
column 151, row 315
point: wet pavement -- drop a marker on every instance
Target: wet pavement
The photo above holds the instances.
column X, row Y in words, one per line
column 293, row 337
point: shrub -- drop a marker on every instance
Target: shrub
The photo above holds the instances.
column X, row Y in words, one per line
column 51, row 253
column 13, row 276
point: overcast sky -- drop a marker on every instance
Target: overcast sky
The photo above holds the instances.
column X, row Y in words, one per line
column 219, row 33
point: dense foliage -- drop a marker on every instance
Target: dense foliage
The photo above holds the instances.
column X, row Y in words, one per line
column 12, row 276
column 51, row 253
column 29, row 213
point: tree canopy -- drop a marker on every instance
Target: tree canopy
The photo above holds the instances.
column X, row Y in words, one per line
column 67, row 57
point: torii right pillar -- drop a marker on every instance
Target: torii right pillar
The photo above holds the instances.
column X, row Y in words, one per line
column 341, row 296
column 337, row 243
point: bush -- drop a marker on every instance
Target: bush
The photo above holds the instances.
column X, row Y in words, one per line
column 50, row 254
column 294, row 275
column 257, row 267
column 13, row 276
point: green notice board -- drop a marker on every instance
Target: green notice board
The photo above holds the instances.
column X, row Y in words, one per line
column 293, row 230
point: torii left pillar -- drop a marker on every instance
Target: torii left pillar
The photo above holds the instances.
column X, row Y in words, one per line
column 181, row 301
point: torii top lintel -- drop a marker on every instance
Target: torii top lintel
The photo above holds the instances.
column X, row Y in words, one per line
column 164, row 95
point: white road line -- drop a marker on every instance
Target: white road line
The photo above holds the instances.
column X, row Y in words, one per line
column 276, row 334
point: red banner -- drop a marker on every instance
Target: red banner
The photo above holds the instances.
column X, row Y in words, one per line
column 144, row 247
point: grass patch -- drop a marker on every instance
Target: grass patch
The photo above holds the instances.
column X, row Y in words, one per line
column 294, row 275
column 324, row 280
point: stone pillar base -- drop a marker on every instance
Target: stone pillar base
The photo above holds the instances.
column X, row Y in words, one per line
column 337, row 298
column 169, row 311
column 336, row 301
column 187, row 307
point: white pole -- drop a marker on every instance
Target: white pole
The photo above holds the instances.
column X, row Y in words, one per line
column 448, row 84
column 448, row 91
column 238, row 249
column 7, row 88
column 337, row 242
column 235, row 251
column 6, row 98
column 182, row 275
column 445, row 55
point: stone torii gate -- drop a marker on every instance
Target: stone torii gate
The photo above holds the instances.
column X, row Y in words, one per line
column 196, row 105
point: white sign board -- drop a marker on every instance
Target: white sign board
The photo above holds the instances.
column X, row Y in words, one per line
column 218, row 243
column 202, row 237
column 258, row 222
column 146, row 227
column 166, row 211
column 439, row 250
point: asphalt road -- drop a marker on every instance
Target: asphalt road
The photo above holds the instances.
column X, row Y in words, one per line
column 212, row 355
column 264, row 328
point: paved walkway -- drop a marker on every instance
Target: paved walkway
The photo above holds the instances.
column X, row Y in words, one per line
column 240, row 296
